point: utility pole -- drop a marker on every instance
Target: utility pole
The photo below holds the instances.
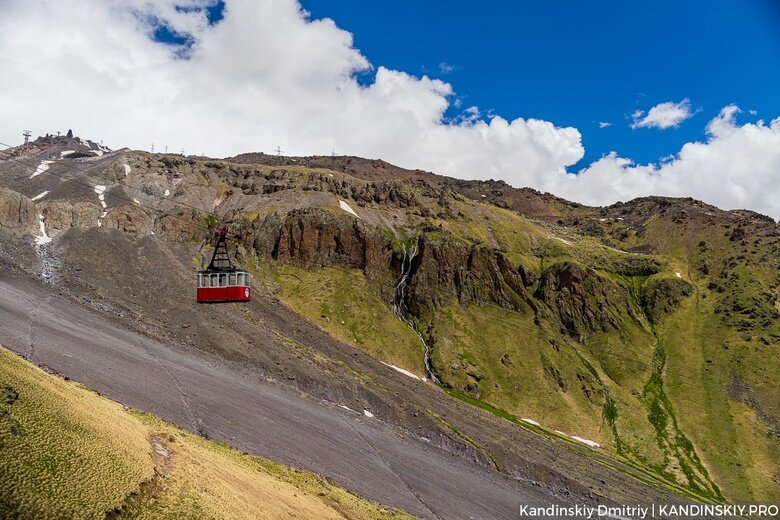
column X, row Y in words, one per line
column 26, row 134
column 182, row 152
column 152, row 147
column 278, row 150
column 333, row 152
column 166, row 148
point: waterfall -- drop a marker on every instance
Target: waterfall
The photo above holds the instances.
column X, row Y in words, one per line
column 401, row 309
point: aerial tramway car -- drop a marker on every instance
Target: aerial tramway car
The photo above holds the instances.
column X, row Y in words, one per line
column 222, row 281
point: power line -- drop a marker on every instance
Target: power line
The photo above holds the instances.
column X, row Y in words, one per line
column 202, row 226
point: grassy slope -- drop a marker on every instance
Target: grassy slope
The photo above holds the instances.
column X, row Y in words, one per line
column 341, row 301
column 628, row 390
column 69, row 453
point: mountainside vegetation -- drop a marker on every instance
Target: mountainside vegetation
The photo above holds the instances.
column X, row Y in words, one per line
column 70, row 453
column 648, row 330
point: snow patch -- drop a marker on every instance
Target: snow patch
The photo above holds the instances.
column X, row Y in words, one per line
column 368, row 414
column 530, row 421
column 401, row 370
column 136, row 201
column 127, row 169
column 343, row 205
column 167, row 192
column 678, row 275
column 346, row 408
column 39, row 196
column 559, row 432
column 592, row 444
column 66, row 152
column 101, row 193
column 43, row 238
column 41, row 168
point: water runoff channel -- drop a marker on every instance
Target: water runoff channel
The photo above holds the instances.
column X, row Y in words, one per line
column 401, row 309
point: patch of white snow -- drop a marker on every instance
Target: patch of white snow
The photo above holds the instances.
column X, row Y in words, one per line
column 167, row 192
column 39, row 196
column 136, row 201
column 127, row 169
column 346, row 408
column 678, row 275
column 368, row 414
column 41, row 168
column 43, row 238
column 401, row 370
column 592, row 444
column 343, row 205
column 530, row 421
column 66, row 152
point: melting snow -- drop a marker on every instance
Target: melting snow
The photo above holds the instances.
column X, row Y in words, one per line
column 100, row 190
column 343, row 205
column 136, row 201
column 530, row 421
column 401, row 370
column 66, row 152
column 127, row 169
column 346, row 408
column 678, row 275
column 592, row 444
column 43, row 238
column 167, row 192
column 367, row 414
column 39, row 196
column 41, row 168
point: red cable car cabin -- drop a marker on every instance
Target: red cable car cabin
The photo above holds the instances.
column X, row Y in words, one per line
column 222, row 281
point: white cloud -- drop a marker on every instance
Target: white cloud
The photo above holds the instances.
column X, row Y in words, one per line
column 446, row 68
column 738, row 166
column 663, row 115
column 266, row 75
column 604, row 124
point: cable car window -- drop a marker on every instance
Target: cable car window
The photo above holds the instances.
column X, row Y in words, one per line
column 232, row 279
column 214, row 280
column 223, row 280
column 240, row 279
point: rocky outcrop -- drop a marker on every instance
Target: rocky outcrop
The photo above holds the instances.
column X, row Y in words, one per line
column 581, row 301
column 60, row 216
column 318, row 238
column 17, row 212
column 446, row 268
column 661, row 295
column 131, row 220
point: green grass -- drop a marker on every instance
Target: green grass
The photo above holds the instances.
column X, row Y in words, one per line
column 342, row 302
column 70, row 453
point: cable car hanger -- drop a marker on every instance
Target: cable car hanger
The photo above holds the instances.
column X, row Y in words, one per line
column 223, row 281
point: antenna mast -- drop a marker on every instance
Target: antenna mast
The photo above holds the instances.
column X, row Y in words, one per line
column 26, row 134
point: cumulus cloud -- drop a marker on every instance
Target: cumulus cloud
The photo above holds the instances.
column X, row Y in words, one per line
column 267, row 74
column 663, row 115
column 738, row 166
column 604, row 124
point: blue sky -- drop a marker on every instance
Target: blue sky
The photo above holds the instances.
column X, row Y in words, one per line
column 578, row 63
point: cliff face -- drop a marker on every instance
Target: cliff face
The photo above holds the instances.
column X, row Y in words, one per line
column 446, row 268
column 581, row 301
column 17, row 212
column 318, row 238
